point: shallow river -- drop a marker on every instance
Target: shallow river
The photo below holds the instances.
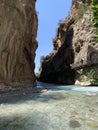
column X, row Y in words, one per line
column 56, row 108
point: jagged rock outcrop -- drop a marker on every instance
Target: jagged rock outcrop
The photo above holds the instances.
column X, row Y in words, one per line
column 74, row 50
column 56, row 67
column 85, row 48
column 18, row 30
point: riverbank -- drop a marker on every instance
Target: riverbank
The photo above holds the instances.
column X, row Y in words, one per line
column 17, row 90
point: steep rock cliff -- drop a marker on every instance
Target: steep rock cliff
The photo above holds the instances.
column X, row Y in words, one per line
column 85, row 48
column 74, row 53
column 18, row 30
column 55, row 68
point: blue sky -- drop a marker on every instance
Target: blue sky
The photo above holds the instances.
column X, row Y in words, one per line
column 49, row 13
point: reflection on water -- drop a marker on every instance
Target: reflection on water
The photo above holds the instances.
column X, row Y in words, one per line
column 58, row 108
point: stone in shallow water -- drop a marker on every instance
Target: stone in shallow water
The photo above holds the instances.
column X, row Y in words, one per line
column 74, row 123
column 92, row 125
column 91, row 93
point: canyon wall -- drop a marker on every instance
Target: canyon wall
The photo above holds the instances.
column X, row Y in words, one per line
column 84, row 46
column 74, row 58
column 18, row 30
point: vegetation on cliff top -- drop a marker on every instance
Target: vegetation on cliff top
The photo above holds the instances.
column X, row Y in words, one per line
column 95, row 17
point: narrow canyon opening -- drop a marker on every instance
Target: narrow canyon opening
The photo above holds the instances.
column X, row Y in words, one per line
column 56, row 54
column 50, row 14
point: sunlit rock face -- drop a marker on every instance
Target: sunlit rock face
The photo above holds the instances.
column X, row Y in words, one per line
column 85, row 48
column 18, row 30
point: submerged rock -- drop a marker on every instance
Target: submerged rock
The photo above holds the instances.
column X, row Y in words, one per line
column 93, row 125
column 74, row 124
column 18, row 30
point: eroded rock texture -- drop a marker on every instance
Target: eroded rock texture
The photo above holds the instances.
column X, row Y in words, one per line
column 18, row 30
column 85, row 48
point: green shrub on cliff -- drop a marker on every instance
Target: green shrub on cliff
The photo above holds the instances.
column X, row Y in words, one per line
column 95, row 17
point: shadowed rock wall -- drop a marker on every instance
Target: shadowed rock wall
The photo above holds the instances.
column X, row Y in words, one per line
column 56, row 67
column 18, row 30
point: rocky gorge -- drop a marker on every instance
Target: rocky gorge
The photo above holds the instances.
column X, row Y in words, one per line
column 74, row 59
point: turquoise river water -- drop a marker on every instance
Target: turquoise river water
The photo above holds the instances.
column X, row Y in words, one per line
column 57, row 107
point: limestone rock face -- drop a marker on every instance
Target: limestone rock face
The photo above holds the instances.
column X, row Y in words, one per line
column 85, row 50
column 18, row 30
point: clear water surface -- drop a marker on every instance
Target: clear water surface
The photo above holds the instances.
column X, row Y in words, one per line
column 58, row 107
